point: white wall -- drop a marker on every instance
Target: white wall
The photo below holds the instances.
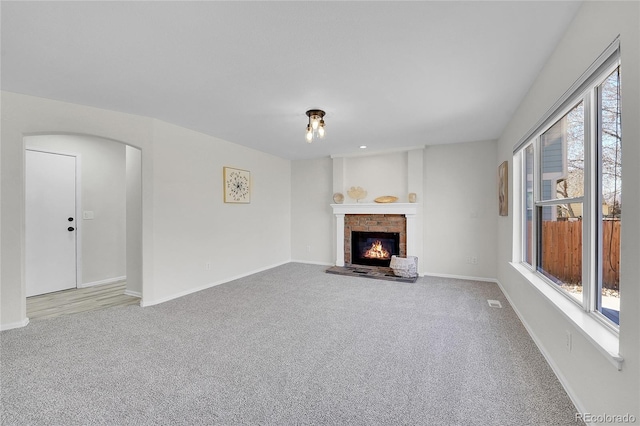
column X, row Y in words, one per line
column 379, row 175
column 103, row 191
column 312, row 222
column 460, row 212
column 134, row 221
column 591, row 380
column 185, row 222
column 193, row 226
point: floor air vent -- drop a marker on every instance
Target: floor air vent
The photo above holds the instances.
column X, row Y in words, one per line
column 494, row 303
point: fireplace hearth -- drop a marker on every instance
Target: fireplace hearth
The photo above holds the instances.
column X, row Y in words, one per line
column 374, row 248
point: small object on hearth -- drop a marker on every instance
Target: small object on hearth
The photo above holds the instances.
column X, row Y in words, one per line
column 412, row 197
column 386, row 199
column 356, row 193
column 338, row 198
column 404, row 266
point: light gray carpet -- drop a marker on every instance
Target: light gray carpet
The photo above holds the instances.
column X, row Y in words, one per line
column 292, row 345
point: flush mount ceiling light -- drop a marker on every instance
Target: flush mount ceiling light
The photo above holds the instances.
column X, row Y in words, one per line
column 315, row 128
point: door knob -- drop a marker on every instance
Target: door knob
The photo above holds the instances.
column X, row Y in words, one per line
column 71, row 228
column 70, row 219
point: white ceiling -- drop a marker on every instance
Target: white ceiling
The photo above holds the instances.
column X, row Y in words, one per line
column 388, row 74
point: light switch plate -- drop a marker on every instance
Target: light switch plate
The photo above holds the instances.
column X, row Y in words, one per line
column 87, row 215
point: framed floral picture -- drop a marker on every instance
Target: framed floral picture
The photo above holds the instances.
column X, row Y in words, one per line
column 237, row 185
column 503, row 189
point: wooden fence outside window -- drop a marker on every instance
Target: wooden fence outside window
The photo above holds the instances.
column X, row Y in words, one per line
column 562, row 251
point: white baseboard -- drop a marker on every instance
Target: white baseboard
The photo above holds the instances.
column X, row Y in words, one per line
column 133, row 293
column 13, row 325
column 144, row 303
column 554, row 367
column 311, row 262
column 461, row 277
column 107, row 281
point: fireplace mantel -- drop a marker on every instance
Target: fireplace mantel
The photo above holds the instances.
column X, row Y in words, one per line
column 409, row 210
column 376, row 208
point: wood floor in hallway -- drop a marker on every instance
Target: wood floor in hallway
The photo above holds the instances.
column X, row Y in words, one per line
column 77, row 300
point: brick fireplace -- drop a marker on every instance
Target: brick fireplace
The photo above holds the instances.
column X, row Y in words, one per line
column 374, row 224
column 391, row 217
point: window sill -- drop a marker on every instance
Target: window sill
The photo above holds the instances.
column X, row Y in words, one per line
column 605, row 340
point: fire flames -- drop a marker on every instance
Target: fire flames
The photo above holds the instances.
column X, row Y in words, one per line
column 377, row 251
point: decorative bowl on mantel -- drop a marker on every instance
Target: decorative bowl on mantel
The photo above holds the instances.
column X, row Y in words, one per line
column 386, row 199
column 356, row 193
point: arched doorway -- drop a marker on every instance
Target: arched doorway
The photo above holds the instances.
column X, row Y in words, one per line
column 108, row 223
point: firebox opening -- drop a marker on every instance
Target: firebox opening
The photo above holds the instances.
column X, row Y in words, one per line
column 374, row 248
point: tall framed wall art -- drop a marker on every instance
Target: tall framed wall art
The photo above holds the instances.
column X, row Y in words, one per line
column 503, row 189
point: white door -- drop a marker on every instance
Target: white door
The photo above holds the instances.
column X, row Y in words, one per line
column 50, row 224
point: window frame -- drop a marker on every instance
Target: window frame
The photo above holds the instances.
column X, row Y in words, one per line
column 586, row 89
column 538, row 202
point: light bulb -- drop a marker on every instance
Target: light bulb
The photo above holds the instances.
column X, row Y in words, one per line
column 321, row 130
column 309, row 134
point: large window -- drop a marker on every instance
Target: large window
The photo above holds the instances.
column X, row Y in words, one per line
column 571, row 202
